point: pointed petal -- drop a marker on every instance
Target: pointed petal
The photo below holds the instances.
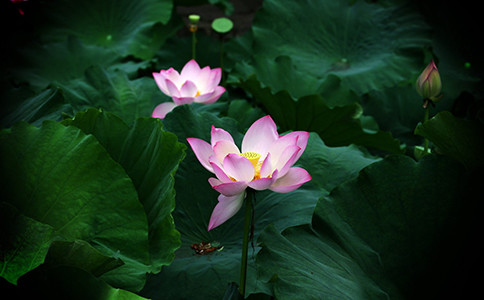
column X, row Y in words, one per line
column 229, row 189
column 226, row 208
column 203, row 79
column 160, row 82
column 218, row 134
column 190, row 70
column 172, row 88
column 211, row 97
column 223, row 148
column 261, row 134
column 238, row 167
column 182, row 100
column 302, row 140
column 214, row 80
column 188, row 89
column 287, row 159
column 279, row 146
column 293, row 179
column 219, row 172
column 162, row 109
column 202, row 151
column 261, row 184
column 266, row 168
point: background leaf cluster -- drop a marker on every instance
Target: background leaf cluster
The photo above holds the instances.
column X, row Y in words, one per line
column 100, row 201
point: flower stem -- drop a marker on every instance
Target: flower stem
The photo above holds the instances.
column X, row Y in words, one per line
column 245, row 241
column 194, row 44
column 426, row 118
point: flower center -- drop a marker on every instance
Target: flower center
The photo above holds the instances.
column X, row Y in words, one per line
column 197, row 94
column 253, row 157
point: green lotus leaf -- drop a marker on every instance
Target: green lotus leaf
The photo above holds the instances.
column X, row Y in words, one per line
column 24, row 243
column 61, row 177
column 380, row 235
column 150, row 156
column 305, row 263
column 456, row 137
column 112, row 24
column 112, row 91
column 400, row 221
column 337, row 126
column 63, row 61
column 47, row 105
column 368, row 45
column 67, row 282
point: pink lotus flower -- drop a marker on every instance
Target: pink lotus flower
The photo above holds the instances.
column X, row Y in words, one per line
column 191, row 85
column 265, row 163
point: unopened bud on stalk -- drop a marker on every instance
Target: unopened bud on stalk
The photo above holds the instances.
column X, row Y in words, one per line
column 429, row 84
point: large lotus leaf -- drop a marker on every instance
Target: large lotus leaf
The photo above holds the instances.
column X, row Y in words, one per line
column 67, row 282
column 337, row 126
column 305, row 263
column 398, row 110
column 113, row 24
column 150, row 156
column 390, row 226
column 24, row 243
column 61, row 177
column 407, row 212
column 47, row 105
column 281, row 74
column 368, row 45
column 42, row 64
column 458, row 138
column 112, row 91
column 191, row 275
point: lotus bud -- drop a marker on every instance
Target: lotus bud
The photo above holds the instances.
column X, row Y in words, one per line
column 429, row 84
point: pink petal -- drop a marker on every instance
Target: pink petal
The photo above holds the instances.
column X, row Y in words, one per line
column 231, row 188
column 202, row 151
column 182, row 100
column 278, row 147
column 162, row 109
column 171, row 74
column 293, row 179
column 219, row 172
column 160, row 81
column 214, row 80
column 226, row 208
column 238, row 167
column 203, row 80
column 188, row 89
column 266, row 168
column 261, row 184
column 287, row 159
column 218, row 134
column 172, row 88
column 223, row 148
column 302, row 140
column 211, row 97
column 190, row 70
column 260, row 136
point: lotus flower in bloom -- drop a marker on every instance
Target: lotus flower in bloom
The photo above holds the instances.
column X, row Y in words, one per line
column 265, row 162
column 192, row 84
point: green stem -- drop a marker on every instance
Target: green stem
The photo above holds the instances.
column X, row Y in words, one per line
column 194, row 44
column 426, row 118
column 222, row 60
column 245, row 241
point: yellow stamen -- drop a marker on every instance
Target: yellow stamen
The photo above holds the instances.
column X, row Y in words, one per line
column 198, row 93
